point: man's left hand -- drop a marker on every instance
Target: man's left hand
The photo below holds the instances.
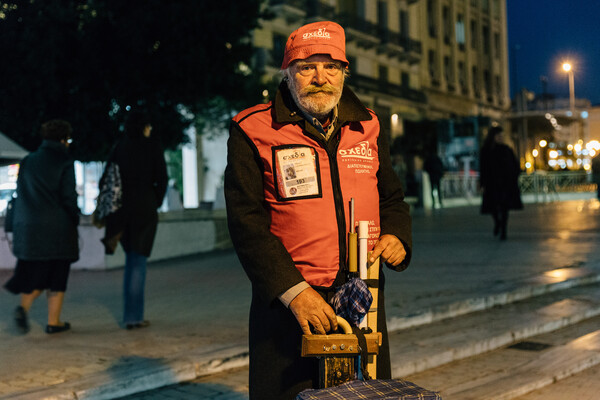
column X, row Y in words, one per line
column 390, row 248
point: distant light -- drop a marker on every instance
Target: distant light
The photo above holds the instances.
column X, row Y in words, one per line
column 552, row 163
column 543, row 143
column 570, row 147
column 548, row 115
column 569, row 114
column 127, row 108
column 584, row 114
column 528, row 165
column 566, row 66
column 592, row 152
column 553, row 153
column 394, row 118
column 265, row 93
column 587, row 167
column 535, row 152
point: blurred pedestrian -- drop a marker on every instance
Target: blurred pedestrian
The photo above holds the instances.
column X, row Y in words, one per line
column 435, row 169
column 45, row 239
column 596, row 173
column 499, row 180
column 143, row 175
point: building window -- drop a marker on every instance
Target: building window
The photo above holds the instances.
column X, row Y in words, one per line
column 498, row 88
column 382, row 15
column 462, row 77
column 486, row 40
column 474, row 34
column 405, row 79
column 497, row 47
column 447, row 24
column 487, row 81
column 404, row 23
column 431, row 18
column 448, row 72
column 475, row 80
column 383, row 73
column 459, row 31
column 432, row 69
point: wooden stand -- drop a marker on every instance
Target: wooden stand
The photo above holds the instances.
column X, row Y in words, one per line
column 373, row 275
column 337, row 353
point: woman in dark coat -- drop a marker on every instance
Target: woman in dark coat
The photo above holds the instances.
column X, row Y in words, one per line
column 499, row 179
column 144, row 179
column 46, row 216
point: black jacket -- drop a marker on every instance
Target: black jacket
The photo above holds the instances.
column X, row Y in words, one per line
column 46, row 213
column 499, row 178
column 144, row 179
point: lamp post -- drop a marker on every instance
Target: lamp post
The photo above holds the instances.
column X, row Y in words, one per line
column 569, row 70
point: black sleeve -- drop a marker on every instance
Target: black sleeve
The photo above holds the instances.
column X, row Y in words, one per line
column 68, row 194
column 394, row 212
column 264, row 258
column 160, row 175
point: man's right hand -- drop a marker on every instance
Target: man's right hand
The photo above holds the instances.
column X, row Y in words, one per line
column 310, row 309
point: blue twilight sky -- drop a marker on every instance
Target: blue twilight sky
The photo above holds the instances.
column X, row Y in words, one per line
column 541, row 33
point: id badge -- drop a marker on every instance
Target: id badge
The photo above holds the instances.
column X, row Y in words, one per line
column 297, row 172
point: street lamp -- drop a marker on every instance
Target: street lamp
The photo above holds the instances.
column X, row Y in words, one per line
column 568, row 68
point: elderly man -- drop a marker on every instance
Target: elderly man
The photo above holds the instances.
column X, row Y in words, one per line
column 293, row 166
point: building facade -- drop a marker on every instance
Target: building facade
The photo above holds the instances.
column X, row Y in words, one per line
column 435, row 71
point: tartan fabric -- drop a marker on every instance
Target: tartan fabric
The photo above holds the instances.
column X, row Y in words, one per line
column 352, row 301
column 376, row 389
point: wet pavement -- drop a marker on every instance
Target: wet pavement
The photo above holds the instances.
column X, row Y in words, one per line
column 198, row 305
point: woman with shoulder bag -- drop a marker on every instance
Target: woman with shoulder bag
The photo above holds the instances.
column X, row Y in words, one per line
column 143, row 175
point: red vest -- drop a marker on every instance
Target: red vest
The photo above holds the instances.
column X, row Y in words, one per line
column 308, row 191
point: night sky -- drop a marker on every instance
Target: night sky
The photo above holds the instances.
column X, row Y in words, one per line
column 542, row 33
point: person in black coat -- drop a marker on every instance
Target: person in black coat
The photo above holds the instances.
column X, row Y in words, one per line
column 499, row 180
column 144, row 180
column 46, row 216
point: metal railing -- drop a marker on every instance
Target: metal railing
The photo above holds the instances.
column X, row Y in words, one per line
column 457, row 185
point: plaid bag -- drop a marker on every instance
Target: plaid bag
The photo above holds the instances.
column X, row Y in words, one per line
column 376, row 389
column 352, row 301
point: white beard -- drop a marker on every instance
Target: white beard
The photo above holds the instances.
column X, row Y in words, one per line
column 319, row 104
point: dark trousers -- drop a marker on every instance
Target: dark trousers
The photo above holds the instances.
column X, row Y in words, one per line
column 500, row 216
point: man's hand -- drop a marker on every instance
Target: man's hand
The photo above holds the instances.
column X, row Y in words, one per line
column 309, row 308
column 391, row 250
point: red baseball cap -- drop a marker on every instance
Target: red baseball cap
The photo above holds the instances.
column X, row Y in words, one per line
column 323, row 37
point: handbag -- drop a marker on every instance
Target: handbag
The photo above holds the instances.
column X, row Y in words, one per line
column 110, row 197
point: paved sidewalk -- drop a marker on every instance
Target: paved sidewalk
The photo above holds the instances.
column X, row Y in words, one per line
column 198, row 305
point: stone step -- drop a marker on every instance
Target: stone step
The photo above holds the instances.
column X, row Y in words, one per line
column 503, row 293
column 428, row 346
column 513, row 371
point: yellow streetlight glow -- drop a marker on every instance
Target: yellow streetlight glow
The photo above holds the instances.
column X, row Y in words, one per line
column 535, row 152
column 543, row 143
column 566, row 67
column 553, row 153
